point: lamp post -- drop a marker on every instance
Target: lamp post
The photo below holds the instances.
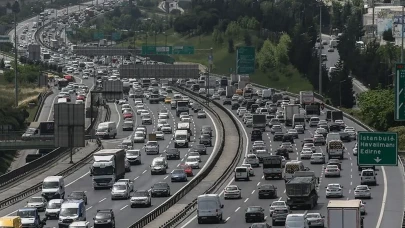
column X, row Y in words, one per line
column 340, row 90
column 320, row 48
column 16, row 10
column 164, row 33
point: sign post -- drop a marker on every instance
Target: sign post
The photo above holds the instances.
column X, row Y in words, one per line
column 399, row 92
column 245, row 60
column 157, row 50
column 377, row 148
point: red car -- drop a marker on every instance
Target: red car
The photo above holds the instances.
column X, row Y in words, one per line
column 81, row 97
column 188, row 170
column 128, row 115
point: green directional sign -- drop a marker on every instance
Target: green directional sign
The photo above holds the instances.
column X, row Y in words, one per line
column 116, row 36
column 157, row 50
column 399, row 92
column 4, row 39
column 377, row 148
column 183, row 50
column 98, row 36
column 245, row 60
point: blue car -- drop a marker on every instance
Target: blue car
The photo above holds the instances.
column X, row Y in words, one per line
column 178, row 175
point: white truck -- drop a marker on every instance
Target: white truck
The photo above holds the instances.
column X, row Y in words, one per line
column 306, row 97
column 184, row 126
column 244, row 78
column 108, row 167
column 344, row 214
column 289, row 112
column 267, row 93
column 234, row 79
column 210, row 82
column 230, row 91
column 181, row 139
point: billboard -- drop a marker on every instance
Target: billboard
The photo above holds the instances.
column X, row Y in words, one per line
column 34, row 52
column 397, row 22
column 69, row 125
column 385, row 19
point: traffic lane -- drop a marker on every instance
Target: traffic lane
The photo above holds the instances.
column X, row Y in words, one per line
column 332, row 57
column 48, row 105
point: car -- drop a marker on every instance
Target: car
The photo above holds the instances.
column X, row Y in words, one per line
column 206, row 129
column 160, row 135
column 332, row 171
column 193, row 162
column 273, row 121
column 254, row 214
column 78, row 195
column 260, row 225
column 276, row 128
column 267, row 191
column 85, row 76
column 185, row 119
column 362, row 207
column 128, row 125
column 335, row 162
column 310, row 146
column 315, row 220
column 200, row 148
column 205, row 139
column 127, row 165
column 362, row 191
column 232, row 192
column 334, row 190
column 127, row 114
column 345, row 137
column 249, row 166
column 178, row 175
column 253, row 160
column 188, row 170
column 341, row 123
column 319, row 139
column 37, row 202
column 139, row 137
column 293, row 132
column 160, row 189
column 321, row 131
column 146, row 120
column 280, row 216
column 306, row 153
column 355, row 150
column 129, row 182
column 105, row 217
column 278, row 204
column 201, row 114
column 168, row 100
column 141, row 198
column 235, row 106
column 166, row 128
column 317, row 158
column 331, row 49
column 278, row 136
column 288, row 146
column 227, row 101
column 53, row 208
column 288, row 138
column 120, row 190
column 160, row 123
column 194, row 155
column 352, row 134
column 172, row 154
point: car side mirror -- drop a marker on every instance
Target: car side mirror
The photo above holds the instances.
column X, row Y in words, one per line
column 222, row 206
column 364, row 202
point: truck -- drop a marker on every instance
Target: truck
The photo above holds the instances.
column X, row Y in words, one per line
column 259, row 122
column 40, row 130
column 181, row 139
column 336, row 115
column 301, row 190
column 312, row 110
column 234, row 79
column 184, row 126
column 230, row 91
column 335, row 148
column 243, row 78
column 223, row 82
column 273, row 167
column 289, row 112
column 210, row 82
column 154, row 98
column 108, row 167
column 145, row 83
column 242, row 85
column 267, row 93
column 10, row 222
column 306, row 97
column 298, row 119
column 344, row 214
column 181, row 106
column 276, row 97
column 248, row 91
column 126, row 86
column 54, row 44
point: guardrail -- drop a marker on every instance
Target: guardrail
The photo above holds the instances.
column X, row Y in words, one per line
column 41, row 101
column 188, row 187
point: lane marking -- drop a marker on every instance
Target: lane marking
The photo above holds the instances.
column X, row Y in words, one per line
column 227, row 219
column 123, row 207
column 384, row 199
column 102, row 200
column 253, row 192
column 246, row 200
column 237, row 209
column 144, row 171
column 89, row 208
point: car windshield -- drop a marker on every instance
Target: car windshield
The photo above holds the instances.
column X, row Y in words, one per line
column 49, row 185
column 162, row 121
column 158, row 163
column 132, row 152
column 199, row 146
column 53, row 205
column 119, row 187
column 141, row 194
column 160, row 185
column 362, row 188
column 159, row 132
column 334, row 186
column 103, row 216
column 278, row 204
column 171, row 151
column 152, row 143
column 313, row 216
column 253, row 209
column 139, row 134
column 35, row 200
column 76, row 194
column 193, row 154
column 191, row 159
column 68, row 212
column 232, row 188
column 178, row 171
column 26, row 213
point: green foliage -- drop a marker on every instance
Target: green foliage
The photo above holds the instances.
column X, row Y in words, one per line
column 2, row 65
column 377, row 108
column 233, row 30
column 341, row 89
column 387, row 35
column 26, row 74
column 231, row 47
column 266, row 56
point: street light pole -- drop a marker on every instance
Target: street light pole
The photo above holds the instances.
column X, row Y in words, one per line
column 320, row 48
column 16, row 9
column 340, row 92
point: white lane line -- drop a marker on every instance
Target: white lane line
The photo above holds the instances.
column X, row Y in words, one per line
column 165, row 177
column 119, row 115
column 246, row 200
column 136, row 177
column 280, row 198
column 102, row 200
column 123, row 207
column 89, row 208
column 144, row 171
column 253, row 192
column 237, row 209
column 258, row 183
column 51, row 111
column 351, row 183
column 226, row 220
column 384, row 199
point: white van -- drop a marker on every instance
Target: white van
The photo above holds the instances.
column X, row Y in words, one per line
column 71, row 211
column 62, row 100
column 241, row 173
column 53, row 187
column 368, row 176
column 107, row 130
column 81, row 224
column 296, row 221
column 181, row 138
column 209, row 207
column 313, row 121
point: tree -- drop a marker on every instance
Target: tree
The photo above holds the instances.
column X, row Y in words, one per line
column 231, row 48
column 341, row 89
column 2, row 65
column 266, row 56
column 387, row 35
column 248, row 39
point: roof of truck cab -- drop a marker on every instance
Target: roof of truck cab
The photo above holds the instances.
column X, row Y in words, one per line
column 53, row 178
column 344, row 203
column 301, row 180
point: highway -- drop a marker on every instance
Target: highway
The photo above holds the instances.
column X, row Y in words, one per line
column 99, row 199
column 381, row 210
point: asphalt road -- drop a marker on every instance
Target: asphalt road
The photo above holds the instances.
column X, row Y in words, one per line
column 383, row 210
column 100, row 199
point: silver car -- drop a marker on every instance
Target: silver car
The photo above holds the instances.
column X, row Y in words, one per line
column 316, row 220
column 139, row 137
column 300, row 129
column 53, row 208
column 141, row 198
column 160, row 135
column 362, row 191
column 120, row 190
column 38, row 202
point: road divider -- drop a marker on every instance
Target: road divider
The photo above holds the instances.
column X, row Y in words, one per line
column 41, row 101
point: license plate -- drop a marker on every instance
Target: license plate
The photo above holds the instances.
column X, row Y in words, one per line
column 203, row 217
column 102, row 184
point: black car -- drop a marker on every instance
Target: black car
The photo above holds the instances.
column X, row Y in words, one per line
column 172, row 154
column 104, row 218
column 278, row 136
column 267, row 191
column 200, row 148
column 254, row 214
column 235, row 106
column 206, row 129
column 196, row 108
column 288, row 138
column 206, row 140
column 283, row 152
column 256, row 135
column 334, row 127
column 78, row 195
column 160, row 189
column 345, row 137
column 227, row 101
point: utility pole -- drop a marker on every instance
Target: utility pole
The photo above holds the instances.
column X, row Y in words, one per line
column 320, row 48
column 372, row 2
column 16, row 9
column 402, row 33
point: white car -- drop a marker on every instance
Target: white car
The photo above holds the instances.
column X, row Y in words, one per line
column 184, row 114
column 318, row 158
column 85, row 76
column 139, row 137
column 53, row 208
column 362, row 191
column 311, row 146
column 160, row 123
column 334, row 190
column 139, row 111
column 186, row 119
column 253, row 160
column 306, row 153
column 194, row 155
column 160, row 135
column 37, row 202
column 300, row 129
column 340, row 123
column 276, row 128
column 141, row 198
column 278, row 205
column 166, row 128
column 163, row 116
column 235, row 97
column 257, row 143
column 319, row 139
column 355, row 151
column 249, row 166
column 352, row 134
column 293, row 132
column 129, row 182
column 193, row 163
column 145, row 113
column 232, row 191
column 316, row 219
column 332, row 171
